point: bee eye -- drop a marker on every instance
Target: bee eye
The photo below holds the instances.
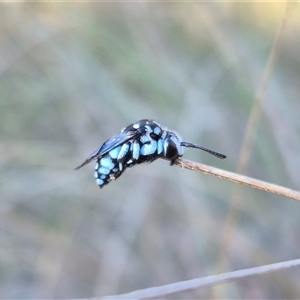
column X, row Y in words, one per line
column 170, row 150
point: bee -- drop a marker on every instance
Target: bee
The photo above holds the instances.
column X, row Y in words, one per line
column 141, row 142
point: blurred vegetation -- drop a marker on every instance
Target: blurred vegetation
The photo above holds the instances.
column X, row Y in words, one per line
column 73, row 75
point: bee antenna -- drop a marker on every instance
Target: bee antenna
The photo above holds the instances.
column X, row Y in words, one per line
column 210, row 151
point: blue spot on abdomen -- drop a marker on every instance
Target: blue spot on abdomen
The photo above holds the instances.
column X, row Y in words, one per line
column 107, row 162
column 115, row 152
column 99, row 182
column 104, row 171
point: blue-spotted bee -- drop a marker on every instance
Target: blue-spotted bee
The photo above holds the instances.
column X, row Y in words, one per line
column 143, row 141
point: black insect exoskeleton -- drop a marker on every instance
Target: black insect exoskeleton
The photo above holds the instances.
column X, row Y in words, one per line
column 140, row 142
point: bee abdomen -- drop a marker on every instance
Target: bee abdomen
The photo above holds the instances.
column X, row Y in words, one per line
column 107, row 169
column 110, row 166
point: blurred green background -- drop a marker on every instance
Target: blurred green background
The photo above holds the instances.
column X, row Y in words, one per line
column 73, row 75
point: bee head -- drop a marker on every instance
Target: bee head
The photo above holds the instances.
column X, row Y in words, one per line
column 172, row 147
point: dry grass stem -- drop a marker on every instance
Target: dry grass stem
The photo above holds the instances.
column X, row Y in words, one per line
column 255, row 183
column 189, row 285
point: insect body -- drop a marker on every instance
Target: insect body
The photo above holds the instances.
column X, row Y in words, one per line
column 140, row 142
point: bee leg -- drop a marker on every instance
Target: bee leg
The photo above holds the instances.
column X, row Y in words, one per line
column 172, row 162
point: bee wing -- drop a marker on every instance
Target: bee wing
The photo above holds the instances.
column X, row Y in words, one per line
column 115, row 141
